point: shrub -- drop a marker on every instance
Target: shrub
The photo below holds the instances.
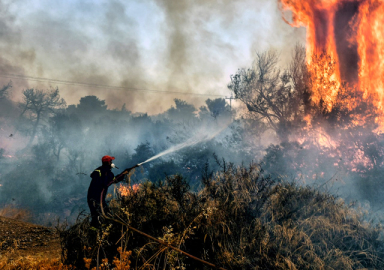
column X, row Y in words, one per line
column 238, row 220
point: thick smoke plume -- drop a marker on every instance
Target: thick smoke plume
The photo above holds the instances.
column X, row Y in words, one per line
column 188, row 46
column 289, row 124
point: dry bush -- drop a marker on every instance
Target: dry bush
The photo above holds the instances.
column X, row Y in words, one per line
column 32, row 263
column 238, row 220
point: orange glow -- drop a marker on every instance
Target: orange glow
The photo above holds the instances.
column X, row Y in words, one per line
column 127, row 191
column 345, row 46
column 319, row 137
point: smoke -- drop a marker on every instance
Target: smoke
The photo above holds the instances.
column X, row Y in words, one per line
column 183, row 46
column 10, row 36
column 51, row 176
column 346, row 50
column 178, row 46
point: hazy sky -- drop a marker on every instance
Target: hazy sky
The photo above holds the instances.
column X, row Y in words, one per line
column 169, row 45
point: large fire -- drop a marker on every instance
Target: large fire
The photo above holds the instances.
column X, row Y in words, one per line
column 350, row 32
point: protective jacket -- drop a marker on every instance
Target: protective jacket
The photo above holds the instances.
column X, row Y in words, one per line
column 102, row 178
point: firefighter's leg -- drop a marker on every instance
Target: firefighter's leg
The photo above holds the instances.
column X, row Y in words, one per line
column 95, row 212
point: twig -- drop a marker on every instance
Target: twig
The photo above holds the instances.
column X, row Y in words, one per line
column 157, row 240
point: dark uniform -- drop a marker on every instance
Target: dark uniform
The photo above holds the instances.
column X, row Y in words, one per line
column 102, row 178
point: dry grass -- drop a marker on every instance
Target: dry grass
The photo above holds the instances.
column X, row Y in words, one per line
column 121, row 262
column 32, row 263
column 239, row 220
column 12, row 259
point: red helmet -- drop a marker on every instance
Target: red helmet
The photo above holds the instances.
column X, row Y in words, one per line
column 105, row 159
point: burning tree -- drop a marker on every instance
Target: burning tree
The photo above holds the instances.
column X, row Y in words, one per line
column 349, row 32
column 326, row 129
column 326, row 107
column 271, row 95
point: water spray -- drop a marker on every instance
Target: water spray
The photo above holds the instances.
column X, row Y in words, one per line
column 192, row 141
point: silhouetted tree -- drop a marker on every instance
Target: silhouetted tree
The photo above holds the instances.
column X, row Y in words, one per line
column 62, row 131
column 184, row 119
column 90, row 108
column 4, row 90
column 183, row 112
column 143, row 152
column 39, row 104
column 218, row 107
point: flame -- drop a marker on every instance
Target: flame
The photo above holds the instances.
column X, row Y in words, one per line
column 126, row 191
column 345, row 45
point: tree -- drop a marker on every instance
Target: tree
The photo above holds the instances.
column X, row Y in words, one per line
column 272, row 95
column 183, row 112
column 90, row 107
column 143, row 152
column 4, row 90
column 218, row 107
column 184, row 120
column 62, row 131
column 39, row 104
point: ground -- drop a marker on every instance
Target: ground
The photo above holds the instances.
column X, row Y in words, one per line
column 21, row 239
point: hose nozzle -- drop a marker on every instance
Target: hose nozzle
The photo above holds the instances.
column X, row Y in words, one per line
column 114, row 166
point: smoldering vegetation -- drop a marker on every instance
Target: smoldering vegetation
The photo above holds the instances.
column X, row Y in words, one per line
column 332, row 144
column 311, row 199
column 49, row 149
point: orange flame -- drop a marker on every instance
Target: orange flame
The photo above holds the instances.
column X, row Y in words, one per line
column 350, row 32
column 126, row 191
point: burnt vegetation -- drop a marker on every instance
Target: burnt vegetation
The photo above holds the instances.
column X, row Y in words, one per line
column 283, row 211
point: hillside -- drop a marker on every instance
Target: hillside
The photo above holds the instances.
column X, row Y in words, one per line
column 22, row 239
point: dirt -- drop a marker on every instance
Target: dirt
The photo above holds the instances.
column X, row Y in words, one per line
column 18, row 238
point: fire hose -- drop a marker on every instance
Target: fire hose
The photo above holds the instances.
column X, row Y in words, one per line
column 149, row 236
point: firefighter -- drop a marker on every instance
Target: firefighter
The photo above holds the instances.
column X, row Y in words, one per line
column 102, row 178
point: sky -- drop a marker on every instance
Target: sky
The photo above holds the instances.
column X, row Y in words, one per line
column 139, row 49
